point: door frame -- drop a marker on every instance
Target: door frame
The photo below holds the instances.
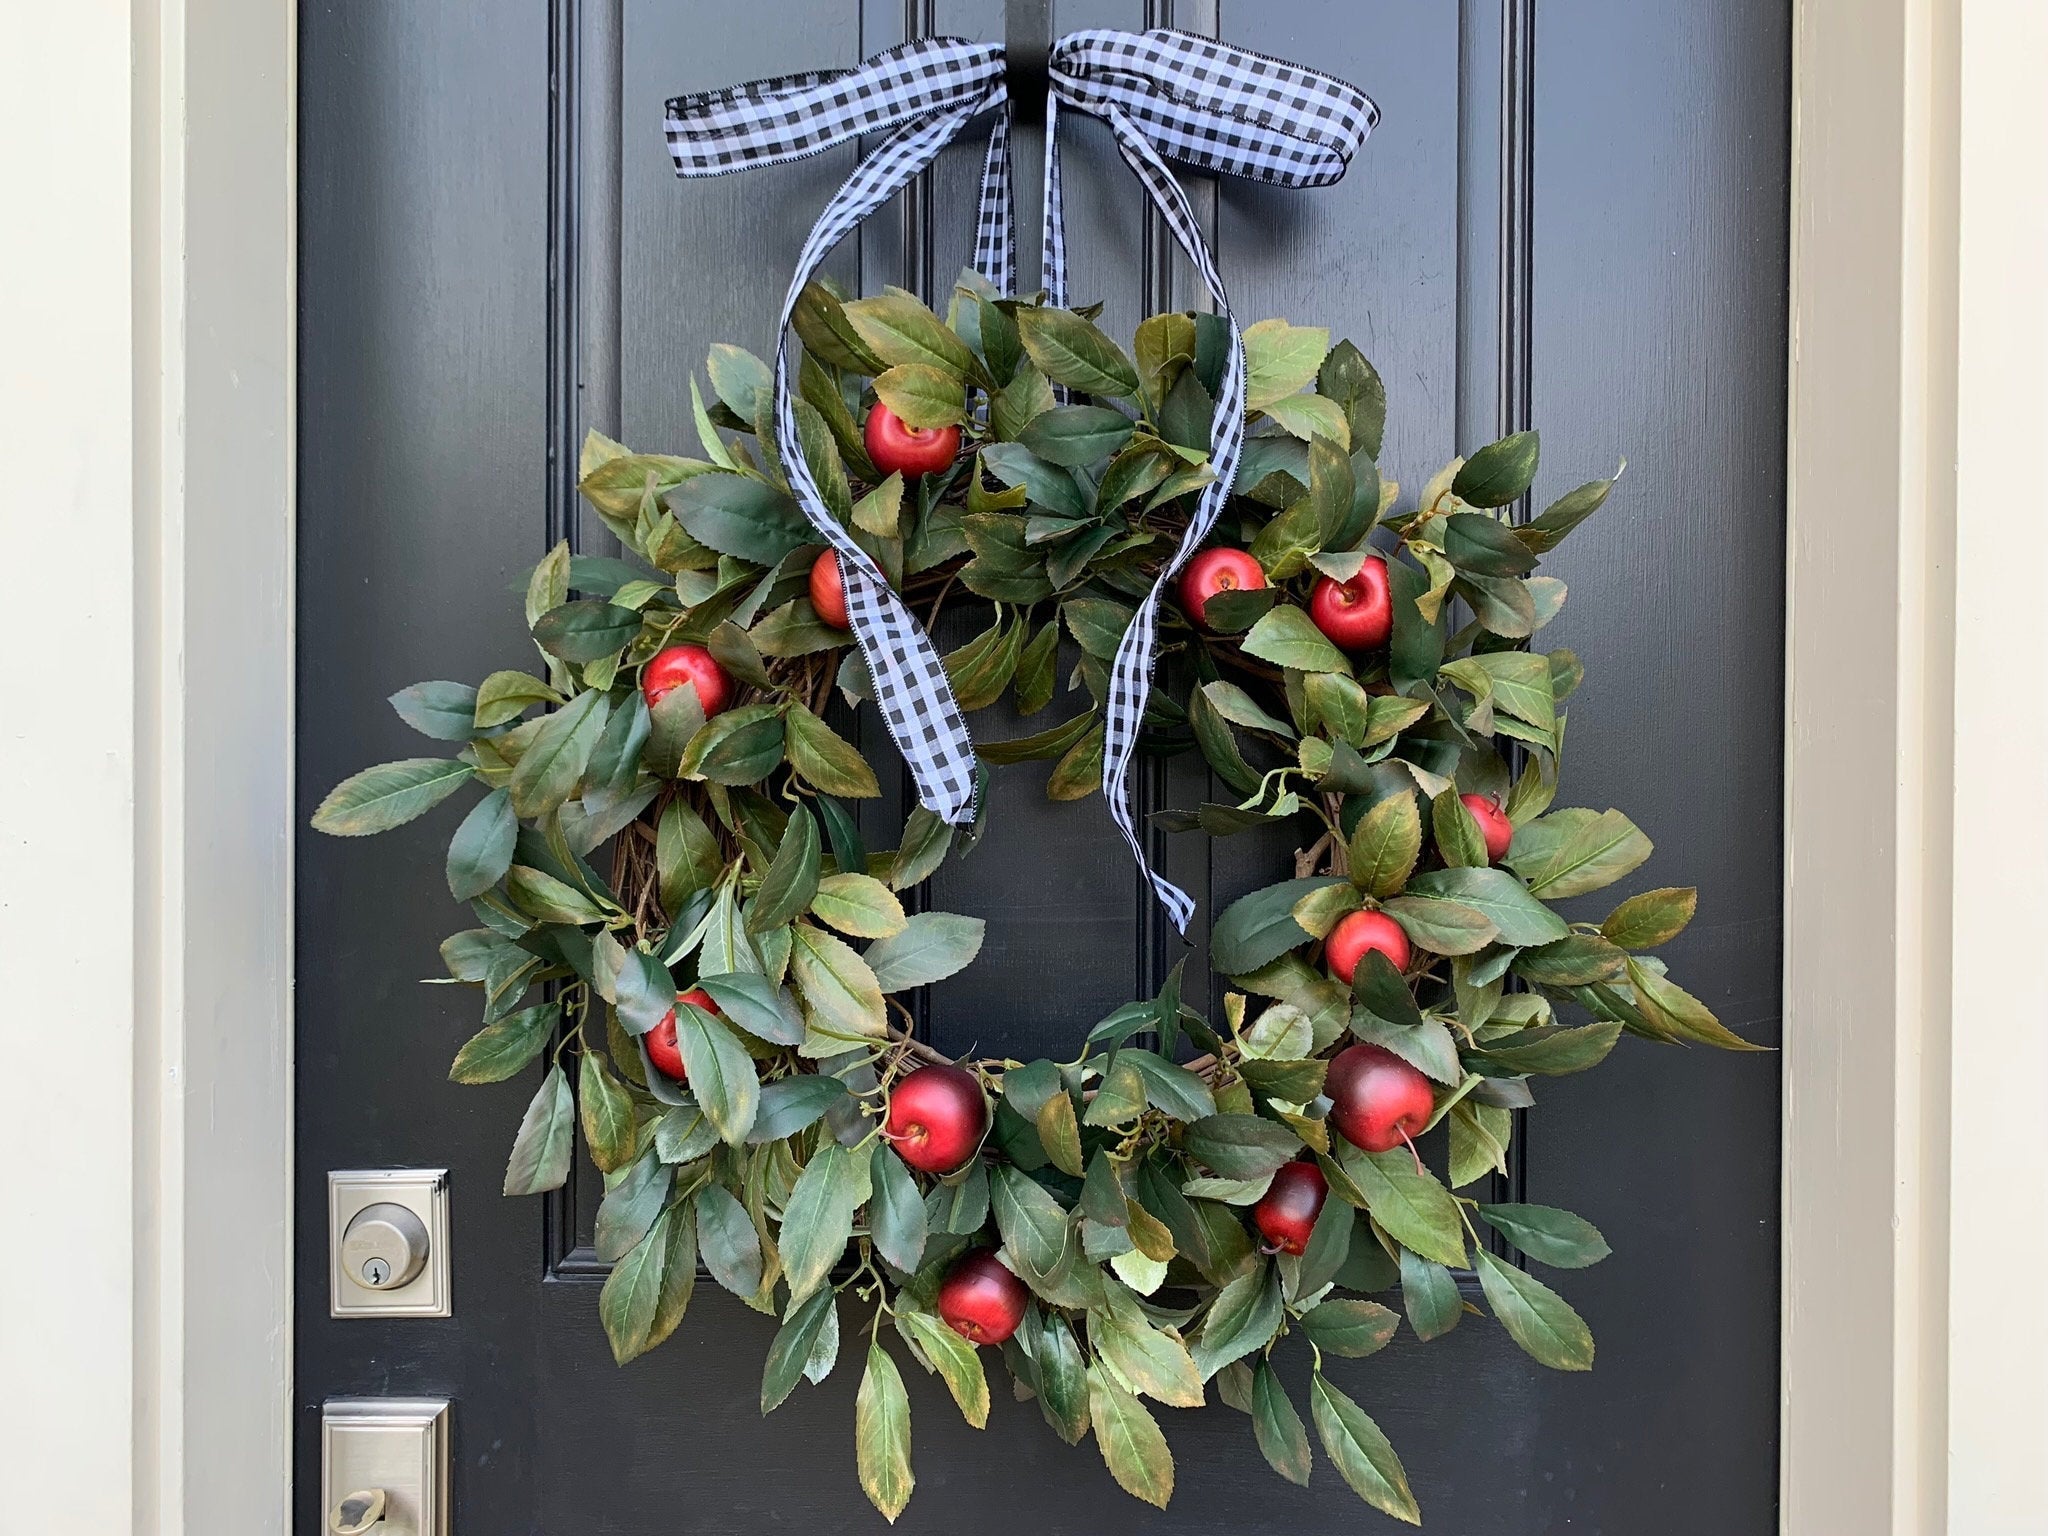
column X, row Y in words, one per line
column 1909, row 1403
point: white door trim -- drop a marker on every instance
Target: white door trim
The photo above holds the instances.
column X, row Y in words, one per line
column 150, row 456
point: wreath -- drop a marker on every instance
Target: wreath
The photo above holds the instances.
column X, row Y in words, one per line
column 666, row 857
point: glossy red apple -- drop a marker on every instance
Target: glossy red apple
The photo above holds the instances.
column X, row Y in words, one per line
column 828, row 589
column 1357, row 932
column 662, row 1049
column 936, row 1117
column 670, row 669
column 1377, row 1101
column 981, row 1300
column 897, row 449
column 1494, row 825
column 1355, row 615
column 1286, row 1213
column 1217, row 570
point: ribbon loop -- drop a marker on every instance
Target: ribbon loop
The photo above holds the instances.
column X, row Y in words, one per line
column 1165, row 96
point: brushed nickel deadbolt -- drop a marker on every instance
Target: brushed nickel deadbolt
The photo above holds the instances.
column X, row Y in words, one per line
column 387, row 1236
column 384, row 1246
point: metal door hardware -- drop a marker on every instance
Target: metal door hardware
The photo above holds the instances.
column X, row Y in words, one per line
column 384, row 1467
column 387, row 1236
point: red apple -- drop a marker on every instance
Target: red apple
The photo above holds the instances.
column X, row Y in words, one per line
column 1355, row 615
column 828, row 589
column 1217, row 570
column 1377, row 1101
column 1357, row 932
column 662, row 1049
column 936, row 1118
column 1494, row 825
column 670, row 669
column 907, row 451
column 1287, row 1211
column 981, row 1300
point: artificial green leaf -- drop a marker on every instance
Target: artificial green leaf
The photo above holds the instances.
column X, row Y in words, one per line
column 1578, row 961
column 1498, row 473
column 741, row 746
column 929, row 947
column 1155, row 1363
column 444, row 711
column 503, row 1049
column 842, row 999
column 926, row 842
column 585, row 630
column 741, row 516
column 720, row 1071
column 1556, row 1054
column 858, row 905
column 881, row 1433
column 826, row 759
column 1059, row 1132
column 1677, row 1012
column 1442, row 927
column 1349, row 1327
column 1474, row 541
column 792, row 879
column 1243, row 1317
column 1282, row 1437
column 923, row 396
column 540, row 894
column 389, row 795
column 1652, row 918
column 608, row 1123
column 1032, row 1223
column 817, row 1222
column 1518, row 917
column 1280, row 359
column 726, row 1238
column 481, row 850
column 791, row 1347
column 1076, row 435
column 791, row 1103
column 631, row 1299
column 1132, row 1447
column 1257, row 929
column 899, row 330
column 1073, row 351
column 547, row 773
column 547, row 1134
column 1547, row 530
column 896, row 1218
column 1407, row 1201
column 1429, row 1294
column 1571, row 852
column 957, row 1362
column 1535, row 1316
column 1458, row 838
column 1385, row 845
column 1548, row 1235
column 1361, row 1454
column 1240, row 1146
column 1287, row 637
column 504, row 696
column 1170, row 1088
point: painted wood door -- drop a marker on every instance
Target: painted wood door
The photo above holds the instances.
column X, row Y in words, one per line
column 1572, row 219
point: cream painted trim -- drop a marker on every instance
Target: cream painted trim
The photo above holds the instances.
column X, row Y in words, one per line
column 1915, row 1361
column 146, row 417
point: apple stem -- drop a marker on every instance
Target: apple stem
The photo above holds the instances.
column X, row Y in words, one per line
column 1414, row 1154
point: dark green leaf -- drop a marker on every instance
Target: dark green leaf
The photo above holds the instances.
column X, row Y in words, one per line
column 1498, row 473
column 1407, row 1201
column 481, row 850
column 1361, row 1453
column 1243, row 1317
column 586, row 629
column 505, row 1048
column 1282, row 1437
column 1240, row 1146
column 1548, row 1235
column 791, row 1103
column 1257, row 929
column 1555, row 1054
column 1033, row 1225
column 826, row 759
column 1577, row 961
column 1517, row 916
column 1076, row 435
column 1382, row 988
column 741, row 746
column 1474, row 541
column 547, row 774
column 1349, row 1327
column 1047, row 485
column 547, row 1133
column 896, row 1218
column 1535, row 1316
column 630, row 1302
column 728, row 1242
column 444, row 711
column 817, row 1223
column 792, row 878
column 930, row 947
column 740, row 516
column 1548, row 530
column 1072, row 351
column 792, row 1346
column 721, row 1072
column 389, row 795
column 1443, row 927
column 926, row 841
column 1170, row 1088
column 1429, row 1293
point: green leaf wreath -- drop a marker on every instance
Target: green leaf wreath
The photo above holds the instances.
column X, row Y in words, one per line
column 675, row 903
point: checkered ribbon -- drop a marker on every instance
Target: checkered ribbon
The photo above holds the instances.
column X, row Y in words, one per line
column 1165, row 96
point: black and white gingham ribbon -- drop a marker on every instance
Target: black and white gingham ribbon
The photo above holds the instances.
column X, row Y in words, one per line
column 1164, row 95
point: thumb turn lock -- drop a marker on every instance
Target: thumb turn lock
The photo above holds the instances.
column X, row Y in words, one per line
column 358, row 1514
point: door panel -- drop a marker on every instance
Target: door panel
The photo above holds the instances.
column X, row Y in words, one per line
column 1577, row 223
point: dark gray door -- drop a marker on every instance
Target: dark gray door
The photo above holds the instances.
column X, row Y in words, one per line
column 1576, row 220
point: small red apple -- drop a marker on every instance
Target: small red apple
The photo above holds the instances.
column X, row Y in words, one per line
column 670, row 669
column 828, row 589
column 1494, row 825
column 1377, row 1101
column 1355, row 933
column 981, row 1300
column 1287, row 1211
column 936, row 1118
column 1355, row 615
column 1217, row 570
column 907, row 451
column 662, row 1049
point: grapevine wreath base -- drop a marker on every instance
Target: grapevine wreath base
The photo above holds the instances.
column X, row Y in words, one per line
column 674, row 903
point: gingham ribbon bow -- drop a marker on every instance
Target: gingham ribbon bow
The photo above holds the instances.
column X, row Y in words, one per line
column 1165, row 96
